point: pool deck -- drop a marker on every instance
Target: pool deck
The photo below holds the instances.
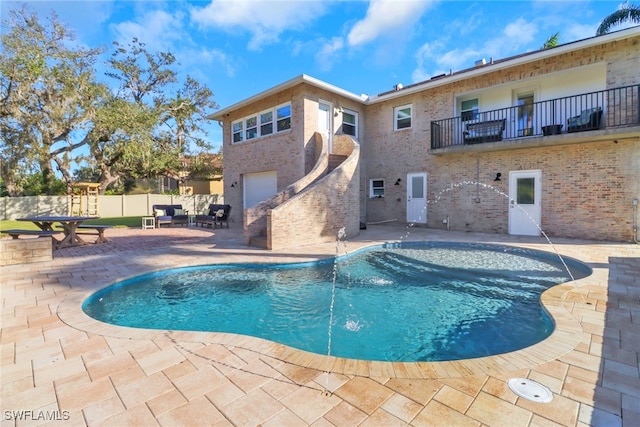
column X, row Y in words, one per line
column 59, row 363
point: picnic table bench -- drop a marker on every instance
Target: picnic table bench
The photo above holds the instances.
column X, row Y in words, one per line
column 93, row 230
column 16, row 233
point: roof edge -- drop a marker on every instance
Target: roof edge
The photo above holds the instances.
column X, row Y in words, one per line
column 300, row 79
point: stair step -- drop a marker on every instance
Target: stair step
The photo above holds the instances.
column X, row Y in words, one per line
column 335, row 160
column 258, row 241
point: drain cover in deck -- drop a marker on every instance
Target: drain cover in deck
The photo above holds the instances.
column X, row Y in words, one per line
column 530, row 390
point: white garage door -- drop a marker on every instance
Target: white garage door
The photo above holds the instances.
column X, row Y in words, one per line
column 259, row 187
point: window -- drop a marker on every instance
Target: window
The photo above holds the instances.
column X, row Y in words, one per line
column 252, row 127
column 469, row 110
column 261, row 124
column 402, row 117
column 526, row 191
column 237, row 131
column 266, row 123
column 376, row 188
column 350, row 123
column 283, row 115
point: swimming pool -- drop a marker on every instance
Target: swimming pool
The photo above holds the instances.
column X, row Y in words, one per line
column 394, row 302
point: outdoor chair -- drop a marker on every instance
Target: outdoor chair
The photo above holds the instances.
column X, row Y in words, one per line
column 214, row 215
column 170, row 215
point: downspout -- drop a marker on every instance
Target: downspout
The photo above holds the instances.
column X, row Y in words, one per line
column 635, row 221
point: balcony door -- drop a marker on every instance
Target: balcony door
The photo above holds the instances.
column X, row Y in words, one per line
column 525, row 209
column 324, row 122
column 523, row 99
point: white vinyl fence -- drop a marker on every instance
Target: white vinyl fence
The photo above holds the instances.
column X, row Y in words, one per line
column 108, row 206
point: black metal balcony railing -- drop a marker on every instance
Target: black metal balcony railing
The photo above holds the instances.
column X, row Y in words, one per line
column 610, row 108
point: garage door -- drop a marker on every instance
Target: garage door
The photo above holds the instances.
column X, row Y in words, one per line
column 259, row 187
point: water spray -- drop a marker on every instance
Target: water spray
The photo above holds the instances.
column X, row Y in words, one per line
column 498, row 191
column 342, row 234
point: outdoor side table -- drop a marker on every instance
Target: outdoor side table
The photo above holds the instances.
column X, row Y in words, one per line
column 191, row 221
column 148, row 222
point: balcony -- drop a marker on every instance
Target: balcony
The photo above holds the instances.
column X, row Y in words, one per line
column 606, row 109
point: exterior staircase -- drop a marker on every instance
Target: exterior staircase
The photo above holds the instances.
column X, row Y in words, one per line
column 335, row 160
column 260, row 241
column 316, row 206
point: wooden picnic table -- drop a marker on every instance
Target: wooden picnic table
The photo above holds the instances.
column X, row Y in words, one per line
column 69, row 226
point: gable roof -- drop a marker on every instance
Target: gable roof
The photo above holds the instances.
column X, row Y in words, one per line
column 492, row 66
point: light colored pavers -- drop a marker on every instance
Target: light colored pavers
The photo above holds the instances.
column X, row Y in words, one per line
column 58, row 362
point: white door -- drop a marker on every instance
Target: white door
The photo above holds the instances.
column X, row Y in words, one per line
column 417, row 198
column 324, row 122
column 525, row 209
column 258, row 187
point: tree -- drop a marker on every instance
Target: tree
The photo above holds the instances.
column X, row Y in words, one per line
column 626, row 13
column 48, row 93
column 52, row 105
column 144, row 130
column 552, row 41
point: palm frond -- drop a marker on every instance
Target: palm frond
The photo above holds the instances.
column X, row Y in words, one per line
column 552, row 41
column 626, row 13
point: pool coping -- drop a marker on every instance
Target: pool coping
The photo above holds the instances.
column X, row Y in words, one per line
column 557, row 301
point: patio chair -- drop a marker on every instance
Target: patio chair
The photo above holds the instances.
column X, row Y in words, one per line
column 215, row 214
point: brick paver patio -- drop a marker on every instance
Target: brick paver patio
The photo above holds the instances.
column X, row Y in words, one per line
column 60, row 366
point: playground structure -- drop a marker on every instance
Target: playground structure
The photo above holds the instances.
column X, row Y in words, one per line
column 84, row 199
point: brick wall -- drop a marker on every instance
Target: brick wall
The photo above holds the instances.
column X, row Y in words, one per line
column 24, row 251
column 587, row 189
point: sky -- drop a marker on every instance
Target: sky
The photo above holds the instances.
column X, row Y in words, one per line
column 239, row 48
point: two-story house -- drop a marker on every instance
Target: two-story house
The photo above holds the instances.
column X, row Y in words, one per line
column 544, row 141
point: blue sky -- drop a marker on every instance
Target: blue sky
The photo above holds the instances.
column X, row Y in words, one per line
column 241, row 47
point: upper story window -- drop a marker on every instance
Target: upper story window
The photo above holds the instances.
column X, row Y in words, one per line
column 252, row 127
column 283, row 114
column 261, row 124
column 469, row 110
column 350, row 123
column 376, row 188
column 402, row 117
column 266, row 123
column 237, row 134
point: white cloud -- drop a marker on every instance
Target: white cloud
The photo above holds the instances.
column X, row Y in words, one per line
column 327, row 53
column 163, row 32
column 518, row 33
column 435, row 55
column 216, row 57
column 385, row 17
column 157, row 29
column 579, row 32
column 419, row 75
column 264, row 20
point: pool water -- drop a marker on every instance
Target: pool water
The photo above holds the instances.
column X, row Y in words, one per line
column 394, row 302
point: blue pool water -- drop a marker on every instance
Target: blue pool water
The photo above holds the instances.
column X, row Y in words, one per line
column 395, row 302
